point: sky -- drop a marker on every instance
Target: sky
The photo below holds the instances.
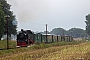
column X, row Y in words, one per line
column 35, row 14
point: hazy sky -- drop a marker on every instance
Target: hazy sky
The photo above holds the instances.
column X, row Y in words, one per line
column 34, row 14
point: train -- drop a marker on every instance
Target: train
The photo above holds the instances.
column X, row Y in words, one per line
column 27, row 37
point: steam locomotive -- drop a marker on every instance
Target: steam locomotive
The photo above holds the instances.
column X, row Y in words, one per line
column 27, row 37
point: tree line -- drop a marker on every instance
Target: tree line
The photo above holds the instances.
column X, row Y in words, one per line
column 5, row 10
column 75, row 32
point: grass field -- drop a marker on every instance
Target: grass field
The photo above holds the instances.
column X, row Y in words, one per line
column 53, row 51
column 3, row 44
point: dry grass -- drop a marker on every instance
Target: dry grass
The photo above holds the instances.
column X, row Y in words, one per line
column 69, row 52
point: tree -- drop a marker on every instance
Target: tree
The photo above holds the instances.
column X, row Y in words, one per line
column 2, row 22
column 57, row 31
column 6, row 9
column 77, row 32
column 88, row 24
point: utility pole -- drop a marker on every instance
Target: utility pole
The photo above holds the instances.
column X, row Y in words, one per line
column 7, row 16
column 46, row 34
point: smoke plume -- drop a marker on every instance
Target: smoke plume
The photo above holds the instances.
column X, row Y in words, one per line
column 31, row 10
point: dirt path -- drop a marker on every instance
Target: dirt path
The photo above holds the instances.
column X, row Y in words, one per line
column 69, row 52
